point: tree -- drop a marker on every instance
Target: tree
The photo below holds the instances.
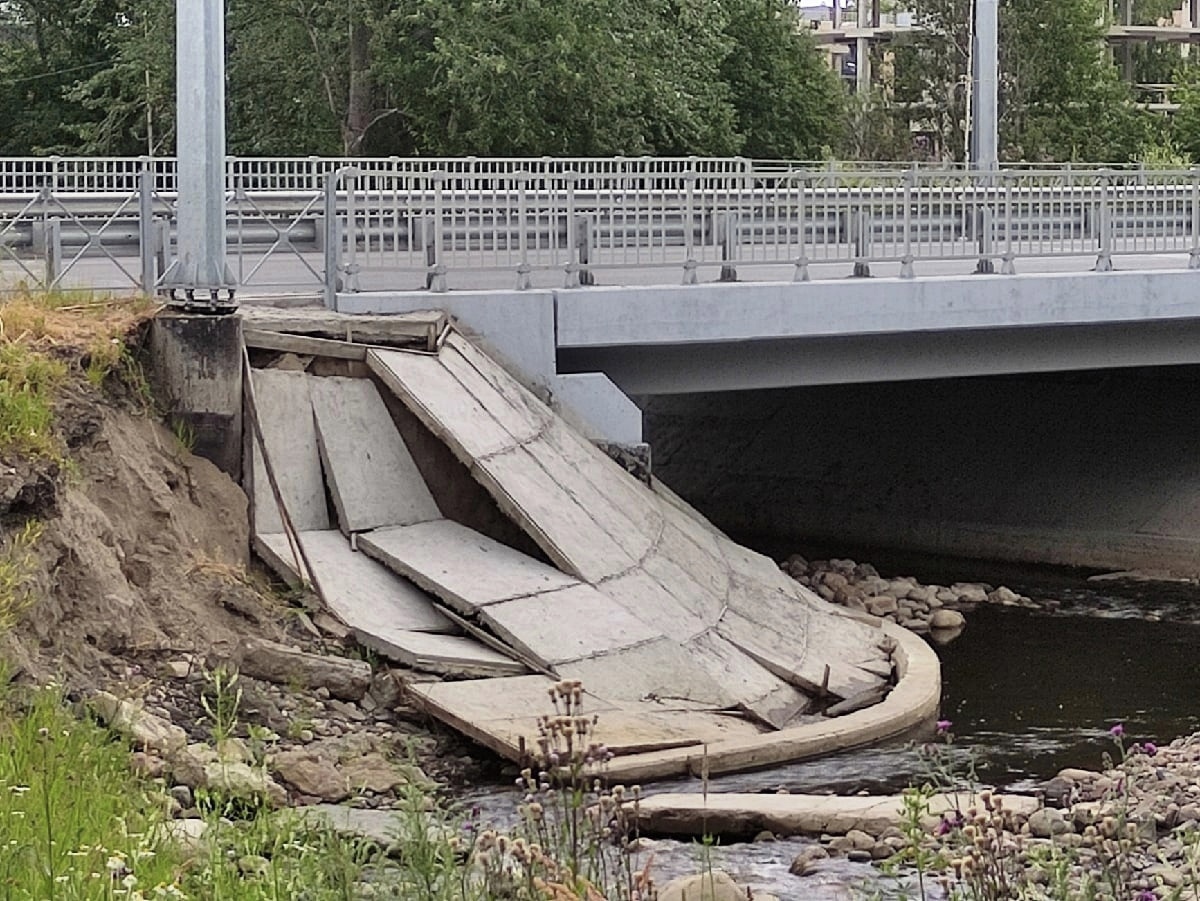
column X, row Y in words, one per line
column 1060, row 96
column 788, row 103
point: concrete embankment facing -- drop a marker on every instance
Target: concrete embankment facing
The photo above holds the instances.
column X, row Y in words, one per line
column 689, row 647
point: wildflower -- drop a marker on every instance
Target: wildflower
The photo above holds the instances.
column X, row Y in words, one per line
column 943, row 726
column 1117, row 731
column 1150, row 748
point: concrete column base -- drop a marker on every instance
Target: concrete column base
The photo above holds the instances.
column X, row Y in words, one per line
column 196, row 375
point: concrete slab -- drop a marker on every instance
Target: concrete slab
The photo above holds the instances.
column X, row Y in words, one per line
column 275, row 551
column 420, row 328
column 549, row 513
column 503, row 714
column 285, row 417
column 365, row 594
column 567, row 624
column 372, row 477
column 440, row 402
column 648, row 599
column 736, row 814
column 459, row 565
column 758, row 691
column 659, row 671
column 455, row 655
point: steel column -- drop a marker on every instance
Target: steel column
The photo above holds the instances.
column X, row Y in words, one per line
column 985, row 96
column 199, row 271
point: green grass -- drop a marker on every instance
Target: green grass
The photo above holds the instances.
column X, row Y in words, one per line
column 28, row 381
column 18, row 566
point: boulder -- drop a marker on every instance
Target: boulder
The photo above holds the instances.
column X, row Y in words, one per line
column 714, row 886
column 374, row 772
column 946, row 619
column 881, row 604
column 342, row 677
column 804, row 863
column 311, row 774
column 1047, row 823
column 144, row 729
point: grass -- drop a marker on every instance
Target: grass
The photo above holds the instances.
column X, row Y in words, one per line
column 41, row 335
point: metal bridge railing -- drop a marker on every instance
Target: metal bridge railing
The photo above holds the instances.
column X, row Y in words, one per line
column 540, row 218
column 311, row 223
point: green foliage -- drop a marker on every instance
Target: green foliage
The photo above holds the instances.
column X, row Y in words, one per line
column 77, row 822
column 28, row 380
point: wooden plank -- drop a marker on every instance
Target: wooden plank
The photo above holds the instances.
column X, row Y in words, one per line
column 660, row 671
column 421, row 327
column 757, row 690
column 303, row 345
column 365, row 594
column 567, row 624
column 455, row 655
column 372, row 477
column 462, row 567
column 439, row 401
column 290, row 435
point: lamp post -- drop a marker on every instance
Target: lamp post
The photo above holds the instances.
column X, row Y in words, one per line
column 985, row 97
column 199, row 277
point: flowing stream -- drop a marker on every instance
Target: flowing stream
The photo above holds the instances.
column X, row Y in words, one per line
column 1028, row 693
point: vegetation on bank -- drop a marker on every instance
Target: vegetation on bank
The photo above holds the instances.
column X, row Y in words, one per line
column 588, row 77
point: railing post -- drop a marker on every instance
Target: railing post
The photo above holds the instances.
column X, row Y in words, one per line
column 801, row 273
column 689, row 229
column 1007, row 265
column 333, row 240
column 860, row 226
column 727, row 233
column 52, row 251
column 1104, row 260
column 983, row 223
column 523, row 267
column 570, row 177
column 437, row 271
column 906, row 260
column 1194, row 254
column 146, row 233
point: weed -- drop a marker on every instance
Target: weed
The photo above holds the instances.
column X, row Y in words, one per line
column 28, row 381
column 221, row 700
column 17, row 567
column 184, row 433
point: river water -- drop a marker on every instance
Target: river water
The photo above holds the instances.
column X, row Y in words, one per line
column 1028, row 693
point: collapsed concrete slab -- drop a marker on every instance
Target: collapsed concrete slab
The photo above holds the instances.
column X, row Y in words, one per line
column 690, row 646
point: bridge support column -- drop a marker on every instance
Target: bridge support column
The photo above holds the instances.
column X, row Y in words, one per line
column 200, row 270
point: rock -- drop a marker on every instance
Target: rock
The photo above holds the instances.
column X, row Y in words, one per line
column 946, row 619
column 387, row 690
column 765, row 836
column 149, row 765
column 1005, row 596
column 374, row 772
column 944, row 636
column 715, row 886
column 188, row 836
column 835, row 581
column 311, row 774
column 841, row 844
column 1047, row 823
column 969, row 592
column 859, row 855
column 340, row 677
column 129, row 718
column 860, row 701
column 1164, row 874
column 238, row 780
column 881, row 604
column 860, row 840
column 183, row 795
column 804, row 863
column 899, row 588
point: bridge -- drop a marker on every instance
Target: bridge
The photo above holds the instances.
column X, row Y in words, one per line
column 724, row 294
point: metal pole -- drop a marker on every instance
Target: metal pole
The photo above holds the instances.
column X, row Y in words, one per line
column 985, row 65
column 199, row 270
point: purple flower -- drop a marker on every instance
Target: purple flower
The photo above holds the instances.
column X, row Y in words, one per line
column 1150, row 748
column 1145, row 895
column 944, row 725
column 1117, row 731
